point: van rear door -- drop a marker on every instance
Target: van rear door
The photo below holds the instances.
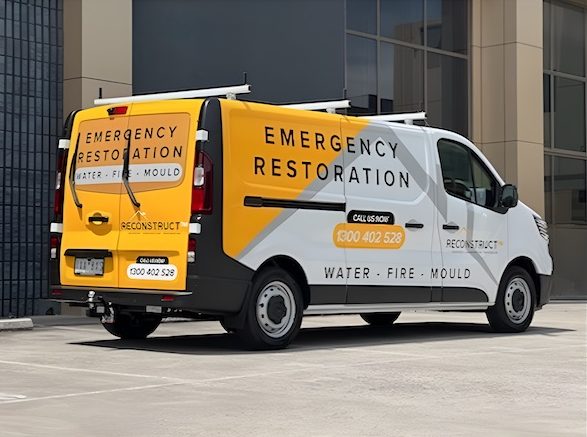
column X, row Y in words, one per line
column 133, row 176
column 92, row 198
column 153, row 240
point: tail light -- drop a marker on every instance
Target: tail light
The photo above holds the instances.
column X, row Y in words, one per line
column 202, row 188
column 62, row 153
column 191, row 250
column 54, row 246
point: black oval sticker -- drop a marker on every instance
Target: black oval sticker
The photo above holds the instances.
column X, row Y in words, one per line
column 371, row 217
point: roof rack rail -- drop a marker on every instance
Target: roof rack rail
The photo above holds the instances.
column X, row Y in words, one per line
column 407, row 118
column 329, row 106
column 229, row 91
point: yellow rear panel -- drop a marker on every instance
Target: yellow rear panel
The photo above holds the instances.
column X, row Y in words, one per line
column 148, row 243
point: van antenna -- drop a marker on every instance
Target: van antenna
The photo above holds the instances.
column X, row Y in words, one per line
column 244, row 77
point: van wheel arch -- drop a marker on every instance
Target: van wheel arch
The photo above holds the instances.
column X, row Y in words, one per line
column 292, row 267
column 526, row 264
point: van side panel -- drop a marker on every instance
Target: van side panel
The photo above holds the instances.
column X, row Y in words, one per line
column 218, row 282
column 284, row 190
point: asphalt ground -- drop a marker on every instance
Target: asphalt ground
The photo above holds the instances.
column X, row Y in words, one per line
column 431, row 374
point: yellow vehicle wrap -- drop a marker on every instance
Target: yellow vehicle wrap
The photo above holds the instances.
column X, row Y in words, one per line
column 160, row 137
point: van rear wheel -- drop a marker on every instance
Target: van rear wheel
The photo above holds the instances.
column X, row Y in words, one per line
column 380, row 319
column 274, row 311
column 515, row 302
column 132, row 325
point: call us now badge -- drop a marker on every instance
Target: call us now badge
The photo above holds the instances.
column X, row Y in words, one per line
column 374, row 217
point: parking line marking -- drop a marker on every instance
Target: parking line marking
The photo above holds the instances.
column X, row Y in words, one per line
column 87, row 393
column 74, row 369
column 67, row 328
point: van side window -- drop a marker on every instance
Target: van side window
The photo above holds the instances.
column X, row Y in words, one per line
column 465, row 176
column 485, row 184
column 457, row 174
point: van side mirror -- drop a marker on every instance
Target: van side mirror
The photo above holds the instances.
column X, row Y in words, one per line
column 509, row 196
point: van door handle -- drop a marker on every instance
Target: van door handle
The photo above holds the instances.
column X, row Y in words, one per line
column 414, row 225
column 98, row 219
column 450, row 227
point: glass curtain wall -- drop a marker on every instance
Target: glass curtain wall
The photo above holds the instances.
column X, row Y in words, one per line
column 565, row 153
column 30, row 122
column 564, row 113
column 409, row 56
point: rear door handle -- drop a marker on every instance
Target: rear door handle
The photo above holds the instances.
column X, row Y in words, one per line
column 98, row 219
column 414, row 225
column 450, row 227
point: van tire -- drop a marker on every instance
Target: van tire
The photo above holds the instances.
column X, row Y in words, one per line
column 380, row 319
column 273, row 312
column 515, row 302
column 127, row 325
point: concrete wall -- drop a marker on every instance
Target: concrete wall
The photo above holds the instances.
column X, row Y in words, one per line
column 97, row 51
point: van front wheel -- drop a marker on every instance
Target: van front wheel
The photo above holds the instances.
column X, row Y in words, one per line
column 274, row 312
column 515, row 302
column 127, row 325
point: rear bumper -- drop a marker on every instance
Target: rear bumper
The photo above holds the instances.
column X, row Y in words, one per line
column 545, row 290
column 208, row 296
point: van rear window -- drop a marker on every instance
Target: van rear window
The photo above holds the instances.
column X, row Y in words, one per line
column 156, row 144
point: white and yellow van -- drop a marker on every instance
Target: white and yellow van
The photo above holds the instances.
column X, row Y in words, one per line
column 256, row 215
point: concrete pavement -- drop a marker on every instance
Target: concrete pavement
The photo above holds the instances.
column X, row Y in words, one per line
column 431, row 374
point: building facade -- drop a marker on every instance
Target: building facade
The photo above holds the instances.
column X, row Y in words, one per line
column 509, row 74
column 31, row 90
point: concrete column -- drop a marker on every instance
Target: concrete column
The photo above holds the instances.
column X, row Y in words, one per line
column 97, row 40
column 507, row 113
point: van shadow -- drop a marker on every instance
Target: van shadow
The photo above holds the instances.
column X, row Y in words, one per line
column 322, row 338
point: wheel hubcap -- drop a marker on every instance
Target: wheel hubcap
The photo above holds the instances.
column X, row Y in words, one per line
column 517, row 300
column 276, row 309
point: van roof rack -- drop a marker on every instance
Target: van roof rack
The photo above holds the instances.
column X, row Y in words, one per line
column 329, row 106
column 407, row 118
column 229, row 91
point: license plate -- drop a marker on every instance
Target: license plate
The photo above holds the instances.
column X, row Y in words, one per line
column 89, row 266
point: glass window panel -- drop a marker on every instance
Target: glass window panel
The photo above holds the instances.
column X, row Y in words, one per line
column 569, row 114
column 548, row 188
column 362, row 74
column 457, row 176
column 447, row 81
column 546, row 108
column 546, row 34
column 361, row 15
column 570, row 185
column 401, row 79
column 568, row 38
column 403, row 20
column 447, row 24
column 485, row 185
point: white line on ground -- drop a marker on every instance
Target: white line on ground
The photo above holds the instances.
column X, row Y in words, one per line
column 102, row 372
column 67, row 328
column 96, row 392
